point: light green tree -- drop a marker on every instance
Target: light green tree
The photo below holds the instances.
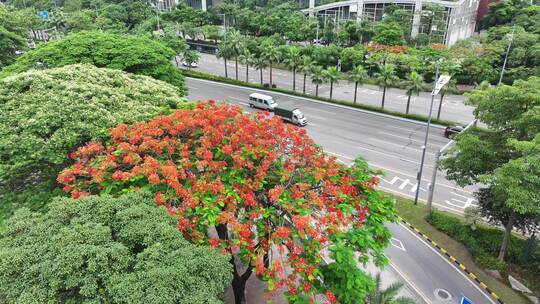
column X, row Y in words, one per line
column 236, row 44
column 59, row 110
column 358, row 75
column 415, row 85
column 317, row 77
column 225, row 52
column 190, row 57
column 331, row 75
column 12, row 36
column 500, row 158
column 385, row 78
column 107, row 250
column 293, row 60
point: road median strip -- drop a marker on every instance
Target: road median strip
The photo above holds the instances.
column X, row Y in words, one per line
column 375, row 109
column 462, row 266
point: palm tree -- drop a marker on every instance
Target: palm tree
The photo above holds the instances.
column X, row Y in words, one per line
column 247, row 58
column 449, row 87
column 272, row 55
column 415, row 84
column 387, row 295
column 237, row 46
column 317, row 77
column 293, row 59
column 331, row 75
column 386, row 77
column 306, row 66
column 358, row 75
column 224, row 51
column 260, row 64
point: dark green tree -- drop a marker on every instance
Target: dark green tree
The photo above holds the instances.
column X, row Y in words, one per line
column 106, row 250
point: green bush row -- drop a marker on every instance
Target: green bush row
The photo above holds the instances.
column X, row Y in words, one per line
column 483, row 243
column 417, row 117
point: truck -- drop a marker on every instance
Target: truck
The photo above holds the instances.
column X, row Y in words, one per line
column 294, row 116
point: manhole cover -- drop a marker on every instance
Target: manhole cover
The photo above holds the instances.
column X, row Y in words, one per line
column 442, row 294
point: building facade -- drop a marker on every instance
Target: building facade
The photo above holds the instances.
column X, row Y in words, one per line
column 455, row 20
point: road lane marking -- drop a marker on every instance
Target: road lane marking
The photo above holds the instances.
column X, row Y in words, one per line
column 397, row 243
column 409, row 282
column 401, row 146
column 317, row 101
column 449, row 263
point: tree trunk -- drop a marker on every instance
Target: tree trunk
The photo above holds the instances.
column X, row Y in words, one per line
column 408, row 104
column 304, row 89
column 294, row 79
column 261, row 76
column 506, row 236
column 440, row 107
column 247, row 72
column 176, row 60
column 355, row 90
column 271, row 83
column 331, row 89
column 226, row 74
column 383, row 97
column 236, row 66
column 317, row 90
column 239, row 280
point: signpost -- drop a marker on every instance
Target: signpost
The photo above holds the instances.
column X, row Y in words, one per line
column 464, row 300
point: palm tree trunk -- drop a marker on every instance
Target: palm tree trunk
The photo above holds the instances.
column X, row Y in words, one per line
column 226, row 74
column 408, row 104
column 304, row 89
column 247, row 72
column 506, row 236
column 294, row 79
column 383, row 97
column 355, row 90
column 317, row 90
column 271, row 83
column 236, row 66
column 331, row 89
column 261, row 70
column 440, row 107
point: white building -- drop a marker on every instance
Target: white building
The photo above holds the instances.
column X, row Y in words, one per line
column 459, row 17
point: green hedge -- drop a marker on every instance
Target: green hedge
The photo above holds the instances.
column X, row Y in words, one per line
column 484, row 242
column 417, row 117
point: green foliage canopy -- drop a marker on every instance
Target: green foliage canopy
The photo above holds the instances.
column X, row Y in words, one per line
column 138, row 55
column 46, row 114
column 106, row 250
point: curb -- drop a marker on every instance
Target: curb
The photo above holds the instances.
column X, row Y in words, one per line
column 461, row 266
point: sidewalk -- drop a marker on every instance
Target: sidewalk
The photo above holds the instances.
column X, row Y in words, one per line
column 452, row 108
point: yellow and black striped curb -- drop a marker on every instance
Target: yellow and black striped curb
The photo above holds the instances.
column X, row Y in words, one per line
column 471, row 275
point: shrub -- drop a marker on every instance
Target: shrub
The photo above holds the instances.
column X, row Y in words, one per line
column 106, row 250
column 46, row 114
column 134, row 54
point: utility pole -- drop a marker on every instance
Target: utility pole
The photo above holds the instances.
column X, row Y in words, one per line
column 437, row 85
column 510, row 39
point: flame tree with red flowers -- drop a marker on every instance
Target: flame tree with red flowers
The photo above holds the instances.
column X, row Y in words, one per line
column 257, row 188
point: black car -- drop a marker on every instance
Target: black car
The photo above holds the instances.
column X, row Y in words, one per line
column 449, row 131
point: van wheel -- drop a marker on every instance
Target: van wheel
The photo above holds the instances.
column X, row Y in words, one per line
column 251, row 105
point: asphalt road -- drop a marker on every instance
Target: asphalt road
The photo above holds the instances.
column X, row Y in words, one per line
column 390, row 144
column 453, row 108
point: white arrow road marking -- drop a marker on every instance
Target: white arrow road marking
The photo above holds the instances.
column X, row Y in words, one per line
column 465, row 202
column 398, row 244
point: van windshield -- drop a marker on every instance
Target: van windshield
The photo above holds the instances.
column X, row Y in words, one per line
column 300, row 115
column 271, row 101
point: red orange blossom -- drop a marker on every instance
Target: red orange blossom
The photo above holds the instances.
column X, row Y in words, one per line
column 271, row 196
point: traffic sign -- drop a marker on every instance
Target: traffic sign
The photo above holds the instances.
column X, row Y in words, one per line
column 43, row 14
column 464, row 300
column 443, row 79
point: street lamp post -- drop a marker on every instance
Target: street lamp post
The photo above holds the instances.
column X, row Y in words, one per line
column 424, row 147
column 510, row 39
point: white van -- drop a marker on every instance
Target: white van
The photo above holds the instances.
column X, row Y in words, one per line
column 261, row 101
